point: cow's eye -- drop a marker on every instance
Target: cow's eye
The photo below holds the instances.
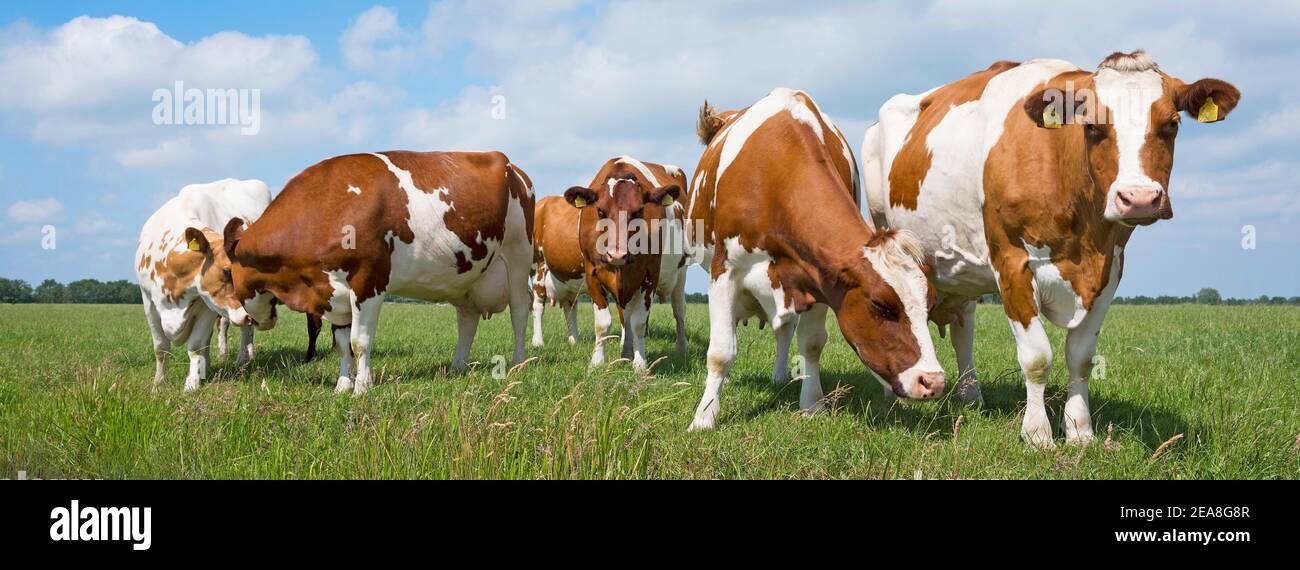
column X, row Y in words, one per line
column 885, row 311
column 1170, row 129
column 225, row 274
column 601, row 212
column 1094, row 132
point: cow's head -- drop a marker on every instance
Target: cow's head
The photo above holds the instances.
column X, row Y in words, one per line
column 883, row 315
column 620, row 204
column 1128, row 115
column 246, row 281
column 215, row 280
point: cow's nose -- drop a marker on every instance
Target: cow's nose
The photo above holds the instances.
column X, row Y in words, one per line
column 928, row 385
column 618, row 257
column 1141, row 204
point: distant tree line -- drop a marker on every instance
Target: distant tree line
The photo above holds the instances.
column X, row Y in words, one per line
column 1206, row 296
column 93, row 291
column 83, row 291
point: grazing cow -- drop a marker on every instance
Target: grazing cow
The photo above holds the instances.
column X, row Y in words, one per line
column 630, row 241
column 775, row 211
column 1027, row 179
column 185, row 276
column 452, row 227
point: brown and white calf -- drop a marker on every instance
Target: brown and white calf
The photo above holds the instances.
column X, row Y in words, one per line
column 776, row 193
column 440, row 226
column 184, row 274
column 557, row 264
column 1027, row 179
column 630, row 241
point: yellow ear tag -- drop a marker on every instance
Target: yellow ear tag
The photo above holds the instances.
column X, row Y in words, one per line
column 580, row 202
column 194, row 245
column 1050, row 119
column 1209, row 111
column 668, row 200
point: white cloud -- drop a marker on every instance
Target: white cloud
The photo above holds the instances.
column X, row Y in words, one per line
column 96, row 62
column 96, row 224
column 169, row 151
column 35, row 211
column 375, row 42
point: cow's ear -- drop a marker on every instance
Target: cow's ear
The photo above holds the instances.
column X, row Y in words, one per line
column 665, row 195
column 233, row 233
column 1207, row 100
column 1046, row 108
column 580, row 196
column 196, row 241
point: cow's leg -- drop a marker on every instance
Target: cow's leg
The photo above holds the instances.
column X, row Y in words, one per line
column 160, row 341
column 963, row 343
column 539, row 306
column 1034, row 350
column 724, row 292
column 602, row 323
column 365, row 319
column 343, row 343
column 313, row 331
column 518, row 266
column 245, row 345
column 571, row 318
column 679, row 310
column 781, row 365
column 812, row 338
column 198, row 347
column 635, row 318
column 223, row 330
column 1080, row 349
column 466, row 327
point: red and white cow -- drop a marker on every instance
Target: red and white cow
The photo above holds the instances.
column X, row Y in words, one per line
column 557, row 264
column 775, row 207
column 1027, row 179
column 452, row 227
column 185, row 284
column 630, row 239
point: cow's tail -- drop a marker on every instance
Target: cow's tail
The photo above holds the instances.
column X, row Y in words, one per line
column 709, row 123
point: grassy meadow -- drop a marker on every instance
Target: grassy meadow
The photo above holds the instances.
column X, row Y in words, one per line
column 76, row 402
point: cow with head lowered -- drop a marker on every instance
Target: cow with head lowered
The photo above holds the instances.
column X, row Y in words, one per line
column 1028, row 179
column 451, row 227
column 184, row 274
column 775, row 219
column 629, row 239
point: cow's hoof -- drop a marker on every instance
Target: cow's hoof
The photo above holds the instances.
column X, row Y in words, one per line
column 701, row 424
column 1080, row 439
column 343, row 385
column 1038, row 434
column 537, row 343
column 191, row 384
column 360, row 388
column 968, row 392
column 573, row 340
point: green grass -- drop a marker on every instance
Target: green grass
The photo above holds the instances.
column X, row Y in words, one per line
column 75, row 401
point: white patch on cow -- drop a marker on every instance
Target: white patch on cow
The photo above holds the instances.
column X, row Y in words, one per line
column 340, row 311
column 1128, row 97
column 427, row 268
column 1055, row 296
column 640, row 167
column 354, row 190
column 897, row 263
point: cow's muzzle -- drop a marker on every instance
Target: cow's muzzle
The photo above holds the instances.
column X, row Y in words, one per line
column 1143, row 206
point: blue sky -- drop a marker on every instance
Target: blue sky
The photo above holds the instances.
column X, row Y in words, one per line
column 583, row 81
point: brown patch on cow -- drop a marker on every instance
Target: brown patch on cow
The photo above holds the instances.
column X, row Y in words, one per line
column 555, row 238
column 912, row 163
